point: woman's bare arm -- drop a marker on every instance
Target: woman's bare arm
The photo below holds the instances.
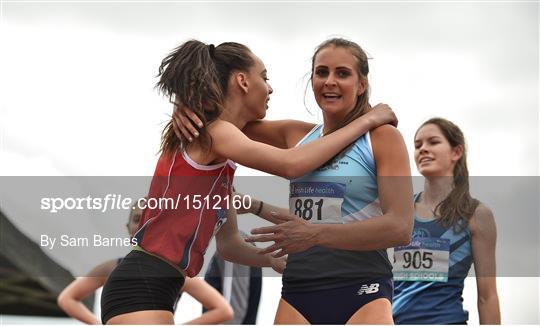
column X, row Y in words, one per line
column 484, row 238
column 290, row 163
column 70, row 299
column 219, row 310
column 278, row 133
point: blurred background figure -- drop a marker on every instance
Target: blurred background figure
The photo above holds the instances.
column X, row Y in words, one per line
column 240, row 285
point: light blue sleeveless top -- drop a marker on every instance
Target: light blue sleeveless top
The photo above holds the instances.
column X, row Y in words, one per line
column 342, row 191
column 437, row 299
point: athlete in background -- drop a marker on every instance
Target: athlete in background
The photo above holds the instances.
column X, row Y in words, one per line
column 240, row 285
column 452, row 231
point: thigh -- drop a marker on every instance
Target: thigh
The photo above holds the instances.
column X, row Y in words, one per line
column 378, row 311
column 286, row 314
column 148, row 317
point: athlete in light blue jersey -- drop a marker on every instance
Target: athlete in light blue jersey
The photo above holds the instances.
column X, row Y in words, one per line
column 351, row 208
column 440, row 259
column 342, row 191
column 429, row 273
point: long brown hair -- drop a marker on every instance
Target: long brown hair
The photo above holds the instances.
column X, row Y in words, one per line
column 197, row 75
column 362, row 68
column 458, row 207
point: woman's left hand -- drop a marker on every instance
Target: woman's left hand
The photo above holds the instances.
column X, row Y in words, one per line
column 290, row 236
column 184, row 121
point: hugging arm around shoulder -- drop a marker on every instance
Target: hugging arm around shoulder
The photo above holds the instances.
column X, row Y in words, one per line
column 230, row 142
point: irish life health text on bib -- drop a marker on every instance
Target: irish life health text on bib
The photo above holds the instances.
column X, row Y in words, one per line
column 424, row 259
column 317, row 202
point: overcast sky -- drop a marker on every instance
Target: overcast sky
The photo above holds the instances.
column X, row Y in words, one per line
column 77, row 78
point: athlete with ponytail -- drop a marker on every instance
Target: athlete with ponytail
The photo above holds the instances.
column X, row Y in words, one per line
column 452, row 231
column 227, row 87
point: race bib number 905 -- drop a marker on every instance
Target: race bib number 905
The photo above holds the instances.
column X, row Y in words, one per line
column 317, row 202
column 424, row 259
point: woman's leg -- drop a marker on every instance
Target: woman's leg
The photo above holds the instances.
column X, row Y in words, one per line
column 378, row 311
column 148, row 317
column 286, row 314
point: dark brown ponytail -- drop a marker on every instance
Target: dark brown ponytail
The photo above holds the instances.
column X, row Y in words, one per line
column 197, row 75
column 188, row 75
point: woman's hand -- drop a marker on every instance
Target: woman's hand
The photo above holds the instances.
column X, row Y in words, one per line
column 184, row 121
column 380, row 115
column 292, row 235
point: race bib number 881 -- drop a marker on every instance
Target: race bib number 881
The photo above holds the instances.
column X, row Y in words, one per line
column 317, row 202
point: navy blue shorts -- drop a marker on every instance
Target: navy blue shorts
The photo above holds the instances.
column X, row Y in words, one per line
column 337, row 306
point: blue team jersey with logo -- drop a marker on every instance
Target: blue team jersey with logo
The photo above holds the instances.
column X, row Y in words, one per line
column 342, row 191
column 429, row 274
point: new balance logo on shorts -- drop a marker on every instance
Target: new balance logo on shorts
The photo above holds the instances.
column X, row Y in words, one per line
column 369, row 289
